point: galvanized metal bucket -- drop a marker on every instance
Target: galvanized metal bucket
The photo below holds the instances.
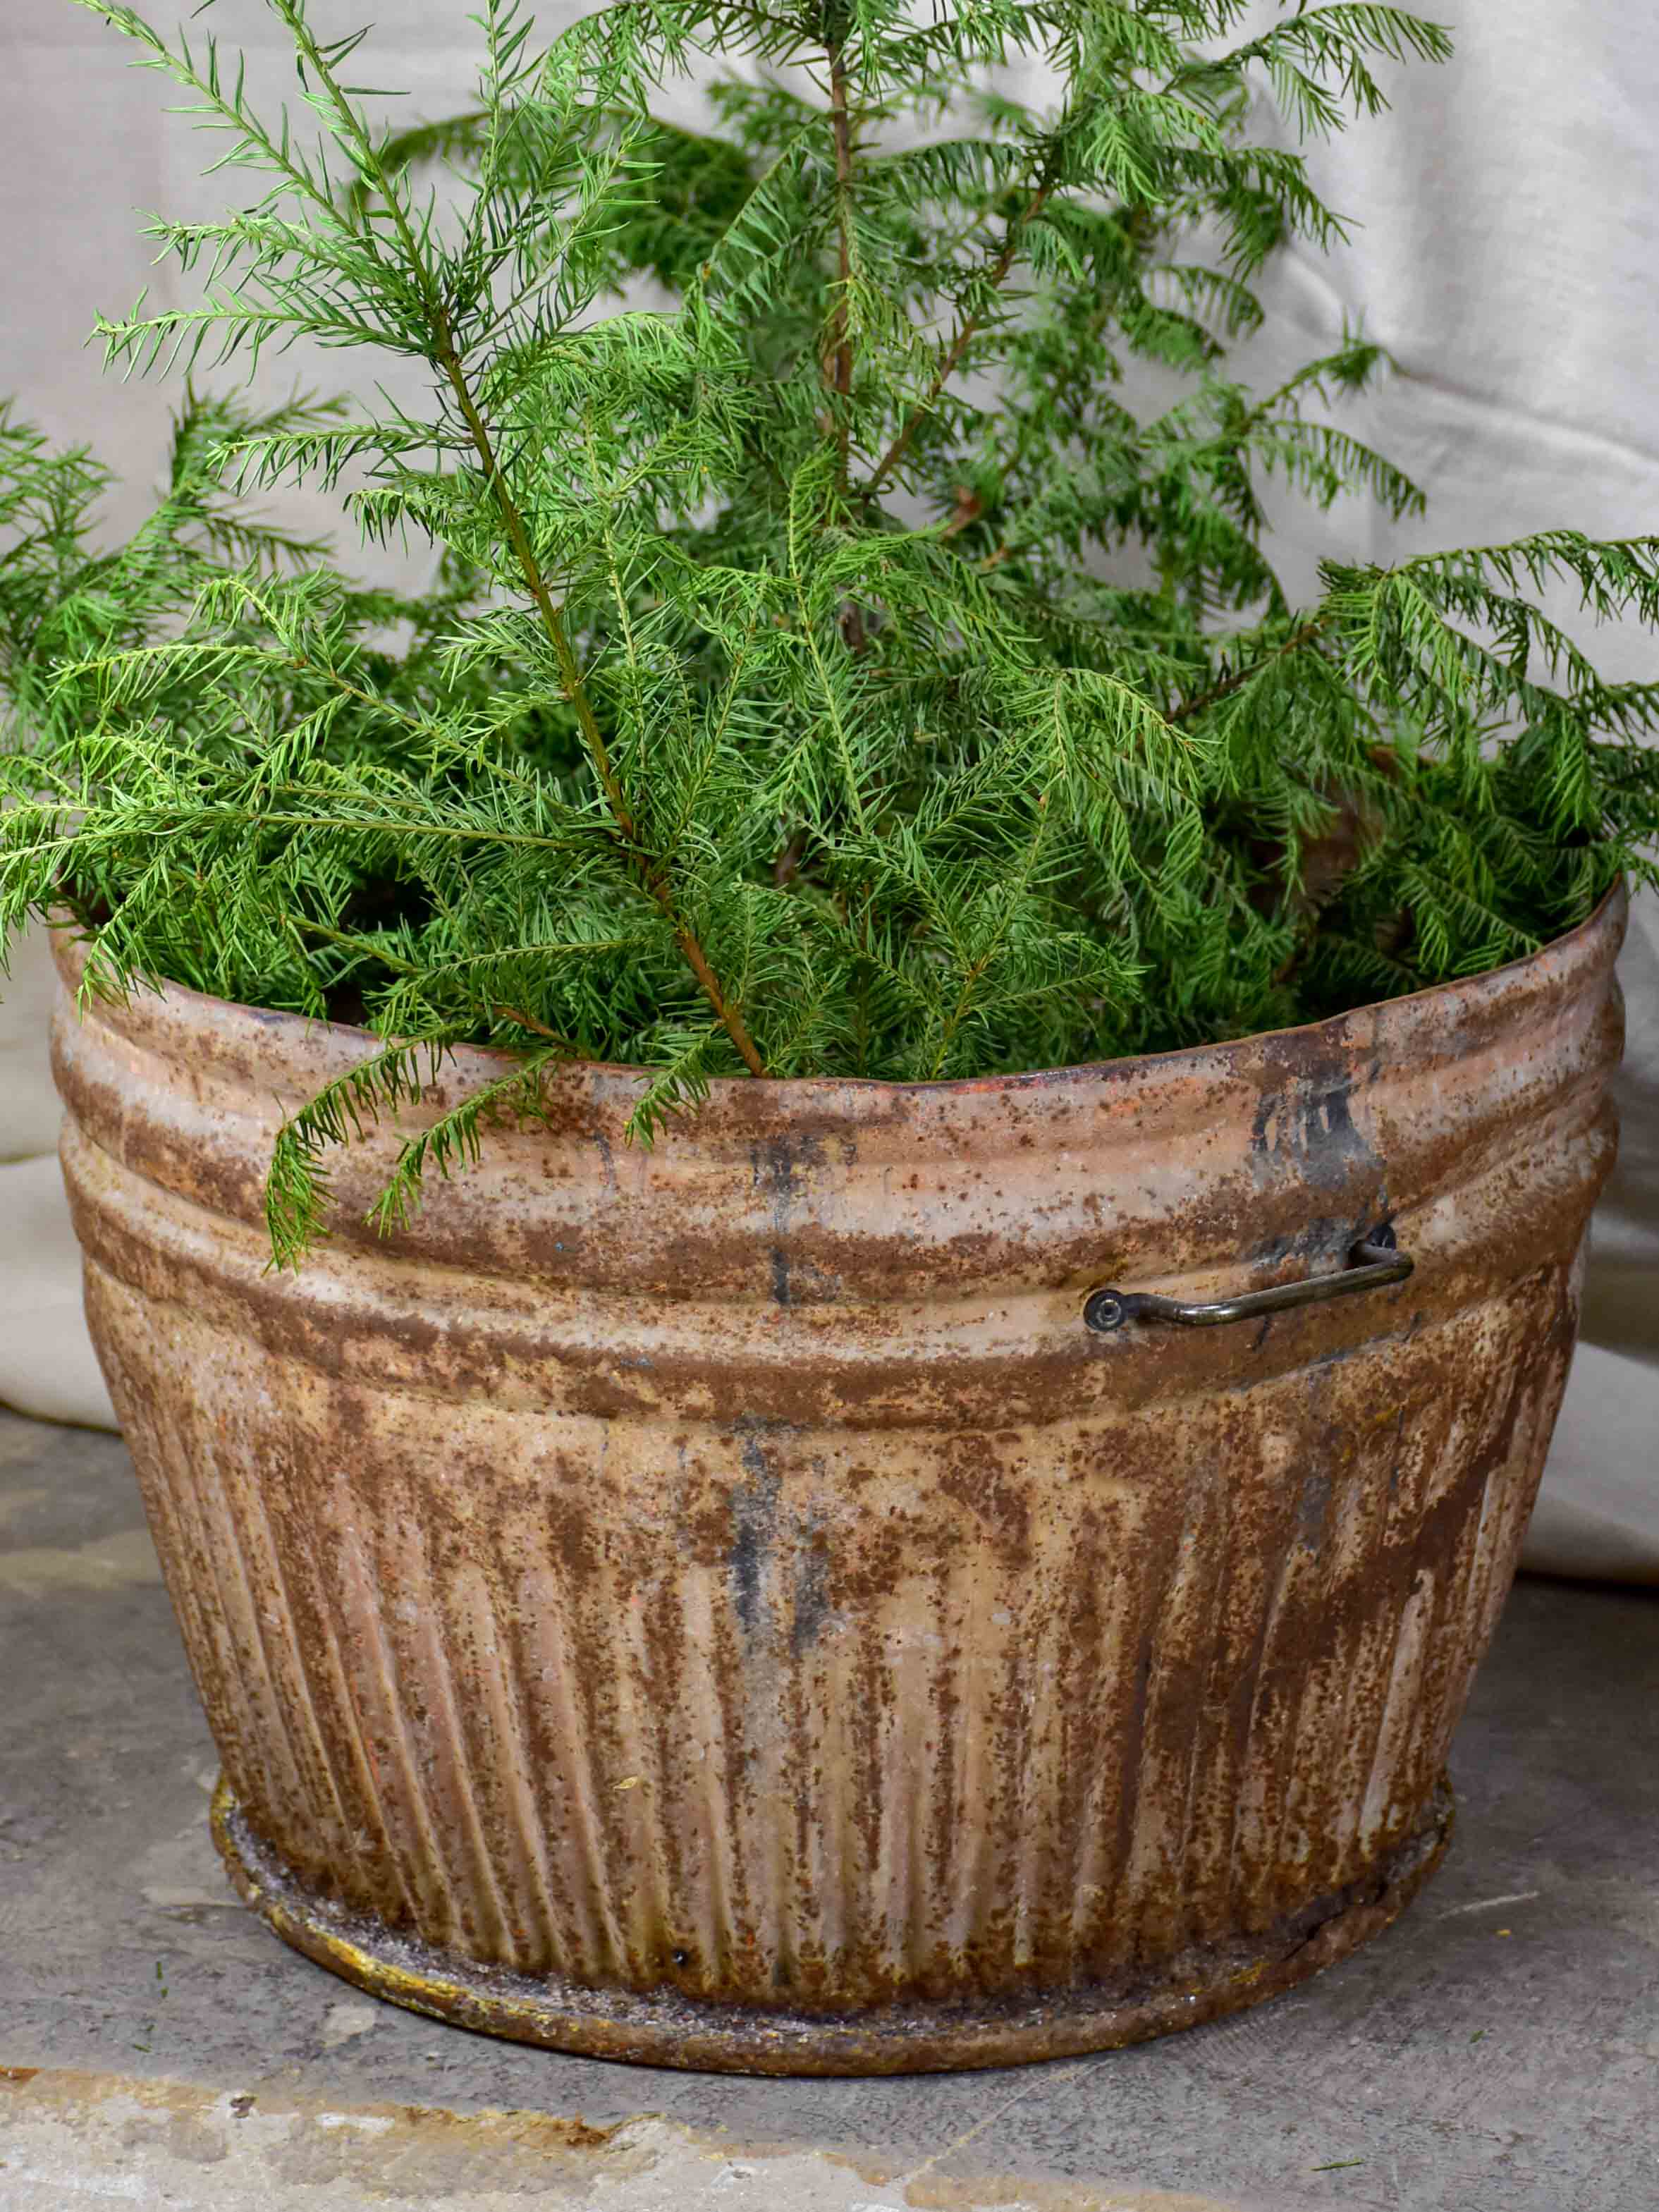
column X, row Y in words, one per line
column 725, row 1605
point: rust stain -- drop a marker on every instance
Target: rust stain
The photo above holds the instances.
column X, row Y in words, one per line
column 662, row 2026
column 288, row 2139
column 1007, row 2193
column 278, row 2146
column 68, row 2089
column 719, row 1605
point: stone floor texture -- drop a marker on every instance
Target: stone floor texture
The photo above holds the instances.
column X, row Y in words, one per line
column 1497, row 2051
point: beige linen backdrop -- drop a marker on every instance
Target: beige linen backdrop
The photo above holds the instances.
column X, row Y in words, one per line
column 1507, row 209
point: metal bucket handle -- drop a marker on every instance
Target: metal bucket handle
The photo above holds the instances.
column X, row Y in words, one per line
column 1373, row 1262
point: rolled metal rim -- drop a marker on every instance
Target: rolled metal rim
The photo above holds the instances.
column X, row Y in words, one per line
column 789, row 1090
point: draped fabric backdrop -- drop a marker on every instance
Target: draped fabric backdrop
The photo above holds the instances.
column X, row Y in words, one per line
column 1506, row 218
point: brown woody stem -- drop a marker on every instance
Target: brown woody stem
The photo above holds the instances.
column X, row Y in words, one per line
column 962, row 338
column 838, row 362
column 838, row 367
column 650, row 870
column 1241, row 676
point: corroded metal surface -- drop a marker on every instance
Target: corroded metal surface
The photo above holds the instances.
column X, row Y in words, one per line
column 731, row 1573
column 663, row 2027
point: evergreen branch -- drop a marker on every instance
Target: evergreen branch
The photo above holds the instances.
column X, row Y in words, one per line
column 961, row 337
column 297, row 1193
column 448, row 357
column 655, row 880
column 455, row 1139
column 838, row 368
column 1304, row 634
column 1010, row 895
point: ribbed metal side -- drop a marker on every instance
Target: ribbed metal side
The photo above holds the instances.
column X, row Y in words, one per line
column 1080, row 1729
column 816, row 1630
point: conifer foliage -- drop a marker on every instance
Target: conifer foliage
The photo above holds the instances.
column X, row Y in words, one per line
column 839, row 664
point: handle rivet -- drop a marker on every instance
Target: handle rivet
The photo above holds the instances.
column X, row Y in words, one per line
column 1103, row 1312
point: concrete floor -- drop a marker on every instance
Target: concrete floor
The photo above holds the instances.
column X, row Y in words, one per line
column 1498, row 2051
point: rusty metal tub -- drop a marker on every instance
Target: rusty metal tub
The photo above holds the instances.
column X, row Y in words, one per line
column 721, row 1606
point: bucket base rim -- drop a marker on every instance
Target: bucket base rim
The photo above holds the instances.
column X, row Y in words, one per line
column 665, row 2027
